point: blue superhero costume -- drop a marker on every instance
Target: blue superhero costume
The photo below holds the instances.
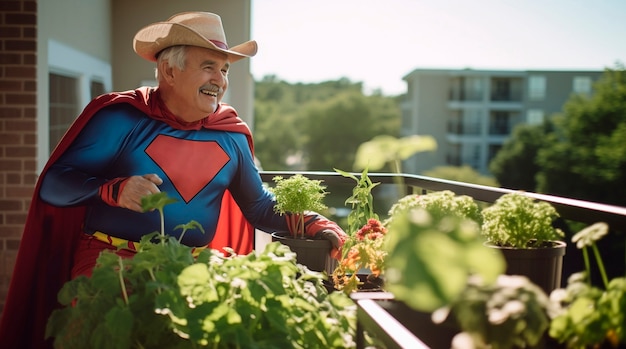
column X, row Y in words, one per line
column 196, row 167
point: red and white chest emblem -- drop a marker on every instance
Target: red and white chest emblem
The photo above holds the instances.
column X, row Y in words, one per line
column 190, row 165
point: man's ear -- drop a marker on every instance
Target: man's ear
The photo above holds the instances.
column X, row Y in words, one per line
column 166, row 72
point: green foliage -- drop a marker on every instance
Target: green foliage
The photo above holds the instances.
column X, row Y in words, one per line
column 430, row 257
column 461, row 174
column 301, row 126
column 586, row 157
column 298, row 194
column 515, row 165
column 517, row 220
column 260, row 300
column 510, row 313
column 590, row 316
column 344, row 122
column 361, row 201
column 385, row 150
column 363, row 248
column 438, row 204
column 164, row 297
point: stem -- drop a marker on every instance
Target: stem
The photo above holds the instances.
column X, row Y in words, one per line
column 587, row 266
column 180, row 238
column 596, row 253
column 395, row 167
column 154, row 279
column 162, row 225
column 122, row 284
column 301, row 224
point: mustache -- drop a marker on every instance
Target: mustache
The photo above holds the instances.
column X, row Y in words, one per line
column 212, row 88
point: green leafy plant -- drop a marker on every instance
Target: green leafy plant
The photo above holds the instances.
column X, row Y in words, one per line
column 517, row 220
column 362, row 251
column 590, row 316
column 361, row 201
column 431, row 256
column 511, row 312
column 438, row 204
column 163, row 297
column 298, row 194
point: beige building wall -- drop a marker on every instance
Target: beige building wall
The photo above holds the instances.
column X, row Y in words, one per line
column 431, row 89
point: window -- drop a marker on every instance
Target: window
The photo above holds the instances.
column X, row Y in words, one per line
column 582, row 85
column 96, row 88
column 534, row 116
column 74, row 79
column 536, row 87
column 63, row 106
column 473, row 88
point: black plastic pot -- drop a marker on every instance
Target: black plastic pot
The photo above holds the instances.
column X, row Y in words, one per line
column 542, row 265
column 397, row 325
column 313, row 253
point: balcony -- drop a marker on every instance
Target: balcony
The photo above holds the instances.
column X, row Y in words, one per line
column 374, row 309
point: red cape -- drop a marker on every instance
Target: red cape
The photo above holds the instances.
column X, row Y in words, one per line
column 44, row 260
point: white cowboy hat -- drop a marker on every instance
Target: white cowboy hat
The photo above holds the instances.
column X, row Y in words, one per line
column 203, row 29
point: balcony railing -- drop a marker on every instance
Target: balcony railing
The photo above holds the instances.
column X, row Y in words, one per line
column 569, row 209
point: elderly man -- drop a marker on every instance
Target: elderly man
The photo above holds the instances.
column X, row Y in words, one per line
column 177, row 138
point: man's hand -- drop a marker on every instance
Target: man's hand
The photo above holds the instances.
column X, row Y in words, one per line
column 127, row 192
column 320, row 227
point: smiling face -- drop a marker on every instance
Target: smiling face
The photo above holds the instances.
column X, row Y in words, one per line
column 195, row 91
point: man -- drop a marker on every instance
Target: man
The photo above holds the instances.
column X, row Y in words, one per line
column 177, row 138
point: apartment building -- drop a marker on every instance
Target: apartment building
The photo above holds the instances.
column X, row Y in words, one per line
column 471, row 113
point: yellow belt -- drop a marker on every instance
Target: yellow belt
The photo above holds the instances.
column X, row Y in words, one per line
column 131, row 245
column 117, row 242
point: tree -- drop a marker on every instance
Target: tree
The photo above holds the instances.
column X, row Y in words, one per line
column 585, row 156
column 461, row 174
column 280, row 128
column 335, row 128
column 515, row 165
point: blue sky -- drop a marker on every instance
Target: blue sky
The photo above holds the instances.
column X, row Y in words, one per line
column 379, row 42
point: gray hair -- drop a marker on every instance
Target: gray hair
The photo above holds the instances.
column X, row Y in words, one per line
column 175, row 57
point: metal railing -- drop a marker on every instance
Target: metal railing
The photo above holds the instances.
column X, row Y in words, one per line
column 569, row 209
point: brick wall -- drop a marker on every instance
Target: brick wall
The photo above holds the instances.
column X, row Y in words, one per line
column 18, row 126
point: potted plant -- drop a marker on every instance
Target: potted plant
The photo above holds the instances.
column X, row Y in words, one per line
column 362, row 259
column 430, row 259
column 511, row 312
column 433, row 246
column 590, row 316
column 297, row 195
column 164, row 297
column 438, row 204
column 522, row 229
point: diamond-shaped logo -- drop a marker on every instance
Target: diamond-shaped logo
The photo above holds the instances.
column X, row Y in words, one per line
column 190, row 165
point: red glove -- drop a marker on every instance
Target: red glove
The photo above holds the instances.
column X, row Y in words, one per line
column 317, row 226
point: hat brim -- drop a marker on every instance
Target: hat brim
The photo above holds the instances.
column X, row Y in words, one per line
column 152, row 39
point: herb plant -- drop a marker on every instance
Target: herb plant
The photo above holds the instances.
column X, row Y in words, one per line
column 298, row 194
column 509, row 313
column 430, row 257
column 362, row 251
column 590, row 316
column 163, row 297
column 519, row 221
column 439, row 204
